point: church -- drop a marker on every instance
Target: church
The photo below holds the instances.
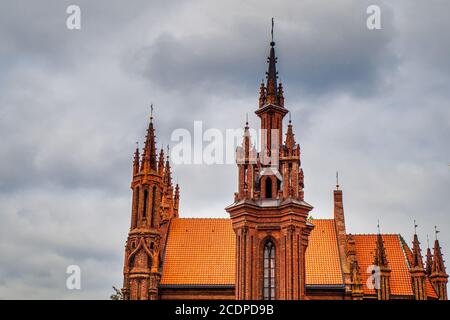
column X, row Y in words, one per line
column 269, row 247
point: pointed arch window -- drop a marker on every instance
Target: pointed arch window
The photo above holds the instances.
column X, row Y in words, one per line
column 269, row 271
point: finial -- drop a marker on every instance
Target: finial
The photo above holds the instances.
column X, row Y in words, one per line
column 272, row 43
column 246, row 119
column 378, row 226
column 436, row 231
column 415, row 226
column 428, row 242
column 290, row 117
column 337, row 180
column 137, row 144
column 151, row 112
column 168, row 151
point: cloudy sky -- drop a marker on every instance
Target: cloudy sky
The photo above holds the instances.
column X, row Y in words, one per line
column 373, row 104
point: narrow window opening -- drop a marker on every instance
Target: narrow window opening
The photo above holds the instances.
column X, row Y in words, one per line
column 268, row 188
column 269, row 271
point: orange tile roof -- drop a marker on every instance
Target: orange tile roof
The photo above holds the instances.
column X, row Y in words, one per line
column 400, row 278
column 323, row 266
column 430, row 290
column 202, row 252
column 199, row 252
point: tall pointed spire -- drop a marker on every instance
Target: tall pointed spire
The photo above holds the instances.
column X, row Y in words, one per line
column 272, row 88
column 149, row 156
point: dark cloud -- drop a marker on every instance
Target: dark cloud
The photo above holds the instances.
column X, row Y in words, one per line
column 371, row 104
column 347, row 58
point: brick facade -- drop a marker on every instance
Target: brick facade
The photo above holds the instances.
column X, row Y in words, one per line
column 264, row 251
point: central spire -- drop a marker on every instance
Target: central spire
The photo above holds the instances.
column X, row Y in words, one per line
column 272, row 95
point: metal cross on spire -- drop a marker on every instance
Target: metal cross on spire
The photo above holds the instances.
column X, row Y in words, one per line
column 271, row 32
column 378, row 226
column 428, row 241
column 415, row 227
column 151, row 112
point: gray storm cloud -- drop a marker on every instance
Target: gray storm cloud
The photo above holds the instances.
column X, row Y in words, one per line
column 371, row 104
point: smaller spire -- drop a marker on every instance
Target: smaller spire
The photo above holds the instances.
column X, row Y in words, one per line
column 136, row 159
column 417, row 253
column 161, row 161
column 380, row 252
column 429, row 260
column 176, row 200
column 177, row 192
column 262, row 94
column 438, row 262
column 290, row 139
column 167, row 173
column 280, row 95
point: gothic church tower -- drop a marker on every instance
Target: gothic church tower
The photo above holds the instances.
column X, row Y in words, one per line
column 154, row 204
column 269, row 214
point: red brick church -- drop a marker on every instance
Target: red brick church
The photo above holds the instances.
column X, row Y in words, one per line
column 269, row 248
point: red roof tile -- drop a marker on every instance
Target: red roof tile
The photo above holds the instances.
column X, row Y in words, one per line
column 400, row 278
column 199, row 252
column 202, row 252
column 323, row 266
